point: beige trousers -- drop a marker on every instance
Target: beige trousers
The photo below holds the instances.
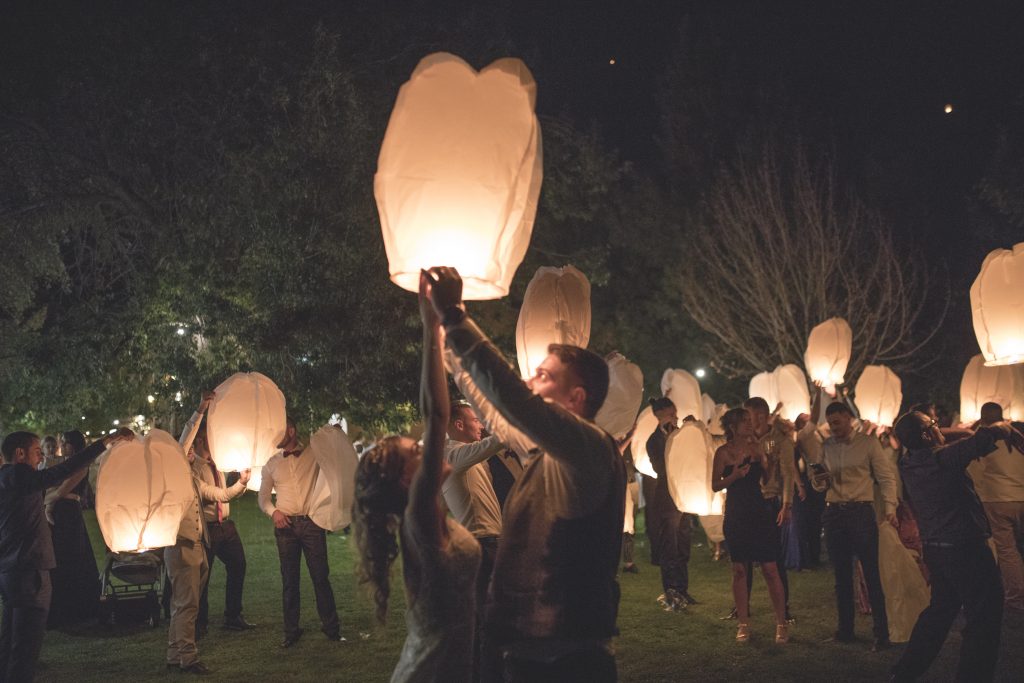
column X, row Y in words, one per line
column 188, row 570
column 1007, row 522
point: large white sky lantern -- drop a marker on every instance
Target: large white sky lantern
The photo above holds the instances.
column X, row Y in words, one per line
column 334, row 488
column 828, row 352
column 246, row 421
column 646, row 423
column 459, row 173
column 556, row 310
column 689, row 454
column 997, row 306
column 787, row 385
column 981, row 384
column 878, row 395
column 143, row 489
column 684, row 391
column 625, row 393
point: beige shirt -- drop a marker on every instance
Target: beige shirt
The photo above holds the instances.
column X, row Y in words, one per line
column 781, row 476
column 201, row 471
column 468, row 491
column 999, row 476
column 293, row 477
column 193, row 525
column 856, row 465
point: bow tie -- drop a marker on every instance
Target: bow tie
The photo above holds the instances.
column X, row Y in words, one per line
column 296, row 453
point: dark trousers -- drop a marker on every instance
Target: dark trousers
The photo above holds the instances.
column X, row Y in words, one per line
column 26, row 596
column 627, row 549
column 653, row 529
column 488, row 551
column 851, row 531
column 810, row 526
column 304, row 537
column 549, row 661
column 674, row 537
column 963, row 576
column 226, row 544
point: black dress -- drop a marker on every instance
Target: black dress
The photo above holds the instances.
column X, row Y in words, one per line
column 750, row 528
column 76, row 585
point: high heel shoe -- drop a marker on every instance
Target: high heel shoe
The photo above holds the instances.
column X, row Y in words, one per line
column 781, row 634
column 742, row 633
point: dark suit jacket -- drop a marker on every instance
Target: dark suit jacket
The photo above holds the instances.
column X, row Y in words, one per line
column 25, row 542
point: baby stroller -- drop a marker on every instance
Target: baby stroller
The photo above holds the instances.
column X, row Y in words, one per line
column 136, row 596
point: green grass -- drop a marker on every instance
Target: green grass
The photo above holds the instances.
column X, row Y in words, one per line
column 654, row 645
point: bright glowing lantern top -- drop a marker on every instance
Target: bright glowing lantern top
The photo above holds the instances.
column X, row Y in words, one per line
column 143, row 489
column 787, row 385
column 878, row 395
column 555, row 310
column 625, row 393
column 689, row 455
column 828, row 352
column 646, row 423
column 683, row 390
column 246, row 421
column 983, row 384
column 334, row 489
column 997, row 306
column 459, row 173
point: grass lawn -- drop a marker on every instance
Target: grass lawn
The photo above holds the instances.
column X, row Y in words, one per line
column 654, row 645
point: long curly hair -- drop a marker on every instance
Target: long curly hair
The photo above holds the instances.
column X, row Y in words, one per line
column 380, row 500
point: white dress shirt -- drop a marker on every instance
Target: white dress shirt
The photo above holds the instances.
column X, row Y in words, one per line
column 293, row 477
column 856, row 464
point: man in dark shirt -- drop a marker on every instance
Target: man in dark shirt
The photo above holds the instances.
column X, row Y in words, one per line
column 954, row 530
column 26, row 549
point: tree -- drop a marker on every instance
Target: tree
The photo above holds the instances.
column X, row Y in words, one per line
column 783, row 247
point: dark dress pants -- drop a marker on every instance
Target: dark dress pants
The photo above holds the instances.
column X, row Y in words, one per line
column 304, row 537
column 226, row 544
column 810, row 526
column 548, row 661
column 649, row 486
column 851, row 531
column 963, row 576
column 26, row 596
column 674, row 537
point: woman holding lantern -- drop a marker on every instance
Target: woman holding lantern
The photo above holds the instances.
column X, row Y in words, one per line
column 750, row 528
column 398, row 484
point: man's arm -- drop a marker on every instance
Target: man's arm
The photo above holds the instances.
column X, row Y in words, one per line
column 219, row 494
column 464, row 456
column 962, row 453
column 266, row 487
column 787, row 464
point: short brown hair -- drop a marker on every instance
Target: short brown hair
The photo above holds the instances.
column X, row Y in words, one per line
column 590, row 370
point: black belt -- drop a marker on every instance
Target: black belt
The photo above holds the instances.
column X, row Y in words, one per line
column 297, row 517
column 851, row 505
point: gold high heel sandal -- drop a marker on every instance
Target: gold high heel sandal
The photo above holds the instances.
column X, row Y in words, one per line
column 781, row 634
column 742, row 633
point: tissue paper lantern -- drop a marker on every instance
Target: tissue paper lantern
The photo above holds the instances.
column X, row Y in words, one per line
column 878, row 395
column 688, row 458
column 625, row 394
column 707, row 405
column 646, row 423
column 143, row 489
column 459, row 173
column 828, row 352
column 684, row 391
column 246, row 421
column 787, row 385
column 997, row 306
column 556, row 310
column 334, row 489
column 981, row 384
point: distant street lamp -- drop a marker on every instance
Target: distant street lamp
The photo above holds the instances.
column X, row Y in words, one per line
column 181, row 331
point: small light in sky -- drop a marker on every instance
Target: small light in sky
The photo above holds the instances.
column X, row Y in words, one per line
column 948, row 109
column 181, row 331
column 612, row 61
column 111, row 431
column 700, row 372
column 83, row 417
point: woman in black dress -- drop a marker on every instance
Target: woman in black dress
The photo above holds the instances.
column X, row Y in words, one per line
column 750, row 528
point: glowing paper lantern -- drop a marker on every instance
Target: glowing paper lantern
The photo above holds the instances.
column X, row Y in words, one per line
column 828, row 353
column 556, row 310
column 787, row 385
column 246, row 421
column 625, row 393
column 459, row 173
column 981, row 384
column 997, row 306
column 646, row 423
column 684, row 391
column 707, row 408
column 688, row 458
column 334, row 488
column 878, row 394
column 143, row 489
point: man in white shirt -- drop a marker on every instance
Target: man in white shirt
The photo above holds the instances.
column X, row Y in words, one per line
column 999, row 482
column 855, row 462
column 293, row 472
column 469, row 493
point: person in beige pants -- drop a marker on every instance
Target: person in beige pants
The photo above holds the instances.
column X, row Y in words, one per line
column 186, row 561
